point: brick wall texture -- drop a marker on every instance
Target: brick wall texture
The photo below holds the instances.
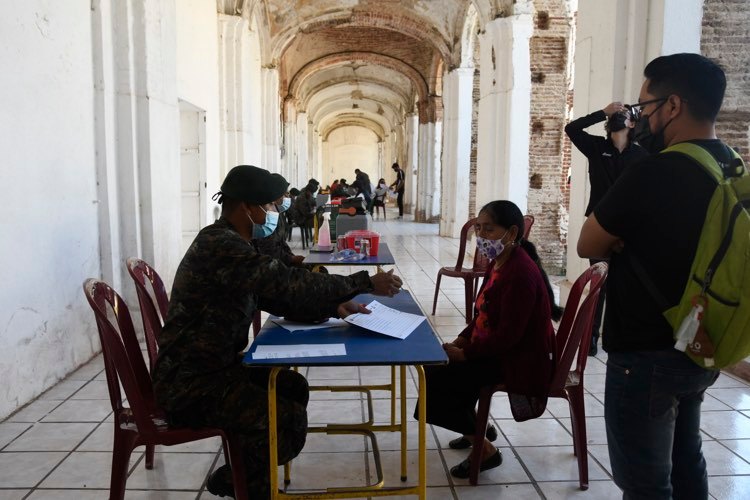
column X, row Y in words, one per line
column 549, row 153
column 725, row 38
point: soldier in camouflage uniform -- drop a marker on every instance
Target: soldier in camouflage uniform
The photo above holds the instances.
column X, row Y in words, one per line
column 276, row 245
column 199, row 379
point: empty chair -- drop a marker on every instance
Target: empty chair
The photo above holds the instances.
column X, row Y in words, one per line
column 143, row 423
column 470, row 275
column 152, row 314
column 573, row 336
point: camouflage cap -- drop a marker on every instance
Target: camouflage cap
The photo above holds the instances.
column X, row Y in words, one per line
column 253, row 185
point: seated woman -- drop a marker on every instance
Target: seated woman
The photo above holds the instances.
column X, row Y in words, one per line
column 509, row 341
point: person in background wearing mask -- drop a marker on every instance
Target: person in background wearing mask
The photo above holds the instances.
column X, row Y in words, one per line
column 510, row 340
column 199, row 379
column 652, row 219
column 275, row 244
column 608, row 157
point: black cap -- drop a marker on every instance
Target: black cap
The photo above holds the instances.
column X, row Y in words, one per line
column 253, row 185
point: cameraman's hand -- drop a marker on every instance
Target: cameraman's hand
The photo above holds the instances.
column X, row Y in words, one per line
column 613, row 107
column 386, row 284
column 351, row 307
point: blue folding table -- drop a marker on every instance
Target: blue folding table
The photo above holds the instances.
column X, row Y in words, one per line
column 383, row 258
column 363, row 348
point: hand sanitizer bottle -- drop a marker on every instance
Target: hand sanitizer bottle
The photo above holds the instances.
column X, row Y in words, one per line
column 324, row 233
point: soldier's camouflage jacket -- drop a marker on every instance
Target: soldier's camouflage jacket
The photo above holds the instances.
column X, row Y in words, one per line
column 219, row 284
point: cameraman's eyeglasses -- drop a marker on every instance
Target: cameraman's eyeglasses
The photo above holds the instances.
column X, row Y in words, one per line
column 636, row 110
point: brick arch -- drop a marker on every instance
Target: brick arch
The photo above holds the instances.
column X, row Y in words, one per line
column 398, row 93
column 353, row 121
column 386, row 20
column 342, row 58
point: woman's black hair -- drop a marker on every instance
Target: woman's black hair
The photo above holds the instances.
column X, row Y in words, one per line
column 506, row 214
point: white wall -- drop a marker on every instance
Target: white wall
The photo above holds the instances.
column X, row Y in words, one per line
column 350, row 148
column 49, row 242
column 198, row 80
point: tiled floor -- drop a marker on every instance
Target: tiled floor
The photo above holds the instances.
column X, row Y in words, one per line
column 58, row 447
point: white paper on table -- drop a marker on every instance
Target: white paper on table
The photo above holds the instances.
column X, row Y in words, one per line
column 386, row 320
column 298, row 351
column 293, row 326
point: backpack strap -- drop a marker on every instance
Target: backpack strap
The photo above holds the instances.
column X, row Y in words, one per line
column 718, row 170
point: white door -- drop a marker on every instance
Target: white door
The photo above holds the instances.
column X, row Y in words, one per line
column 192, row 170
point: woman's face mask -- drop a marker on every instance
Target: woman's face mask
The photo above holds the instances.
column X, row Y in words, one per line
column 491, row 248
column 268, row 227
column 286, row 202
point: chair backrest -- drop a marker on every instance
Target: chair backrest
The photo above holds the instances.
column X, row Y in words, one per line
column 528, row 221
column 574, row 333
column 153, row 315
column 123, row 360
column 480, row 261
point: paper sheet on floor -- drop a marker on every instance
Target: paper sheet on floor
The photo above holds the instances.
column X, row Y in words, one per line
column 294, row 326
column 298, row 351
column 386, row 320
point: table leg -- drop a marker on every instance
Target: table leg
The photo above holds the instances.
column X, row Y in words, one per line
column 273, row 458
column 393, row 395
column 403, row 422
column 422, row 414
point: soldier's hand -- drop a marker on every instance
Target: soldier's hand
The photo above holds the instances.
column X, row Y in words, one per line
column 613, row 107
column 351, row 307
column 386, row 284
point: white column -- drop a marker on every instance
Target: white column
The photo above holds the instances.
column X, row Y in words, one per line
column 505, row 96
column 454, row 211
column 410, row 163
column 428, row 172
column 230, row 91
column 271, row 120
column 325, row 158
column 303, row 171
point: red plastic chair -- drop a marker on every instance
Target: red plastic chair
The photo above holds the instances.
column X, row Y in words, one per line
column 573, row 335
column 470, row 275
column 528, row 221
column 143, row 423
column 153, row 315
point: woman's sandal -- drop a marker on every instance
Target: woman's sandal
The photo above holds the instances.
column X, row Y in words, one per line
column 461, row 443
column 461, row 471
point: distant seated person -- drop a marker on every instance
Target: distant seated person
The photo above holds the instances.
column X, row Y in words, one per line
column 199, row 378
column 381, row 190
column 334, row 185
column 342, row 189
column 303, row 209
column 509, row 341
column 274, row 244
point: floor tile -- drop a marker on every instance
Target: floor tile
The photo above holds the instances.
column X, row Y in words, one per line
column 497, row 491
column 84, row 470
column 740, row 446
column 725, row 425
column 313, row 470
column 601, row 490
column 80, row 411
column 600, row 452
column 10, row 431
column 560, row 408
column 52, row 437
column 26, row 469
column 727, row 380
column 721, row 461
column 34, row 411
column 163, row 495
column 596, row 432
column 391, row 462
column 87, row 494
column 318, row 442
column 729, row 487
column 62, row 390
column 737, row 397
column 323, row 412
column 555, row 463
column 13, row 494
column 95, row 389
column 89, row 370
column 538, row 432
column 173, row 471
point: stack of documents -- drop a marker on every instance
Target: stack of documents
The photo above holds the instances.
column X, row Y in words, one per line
column 386, row 320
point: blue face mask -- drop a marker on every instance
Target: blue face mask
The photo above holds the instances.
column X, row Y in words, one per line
column 268, row 227
column 285, row 204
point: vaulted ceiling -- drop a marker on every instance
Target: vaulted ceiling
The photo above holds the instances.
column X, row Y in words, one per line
column 363, row 62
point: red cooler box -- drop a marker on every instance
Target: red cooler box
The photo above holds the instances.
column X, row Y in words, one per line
column 354, row 237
